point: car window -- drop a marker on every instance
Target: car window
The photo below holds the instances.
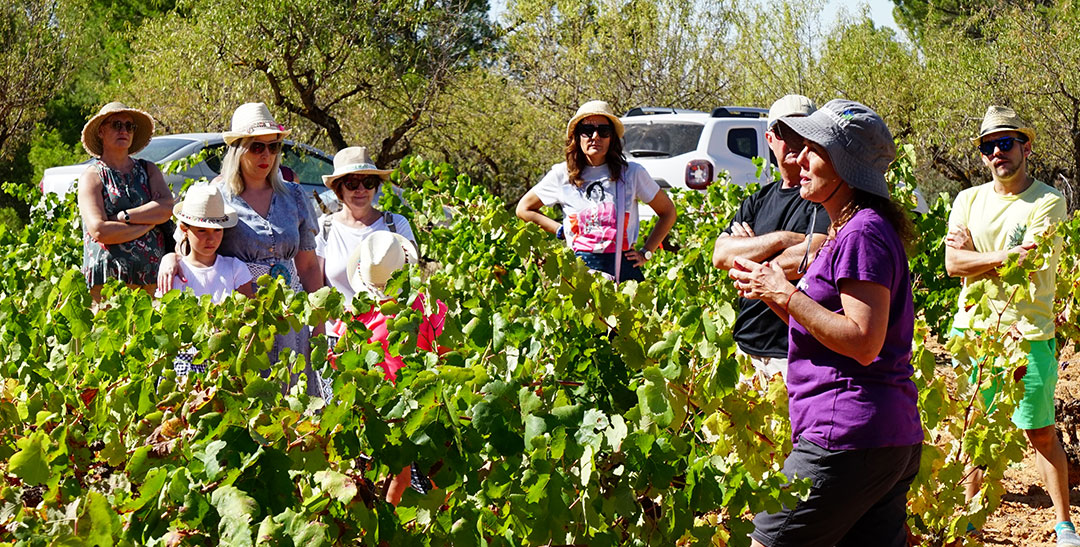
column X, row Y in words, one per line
column 214, row 156
column 743, row 141
column 661, row 139
column 160, row 148
column 309, row 167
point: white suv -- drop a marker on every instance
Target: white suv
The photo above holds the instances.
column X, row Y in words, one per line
column 689, row 148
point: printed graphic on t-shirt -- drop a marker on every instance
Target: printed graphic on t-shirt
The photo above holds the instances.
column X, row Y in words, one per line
column 593, row 228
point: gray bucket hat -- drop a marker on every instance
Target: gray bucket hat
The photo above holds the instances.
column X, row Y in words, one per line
column 858, row 142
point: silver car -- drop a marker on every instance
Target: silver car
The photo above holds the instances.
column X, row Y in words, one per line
column 301, row 163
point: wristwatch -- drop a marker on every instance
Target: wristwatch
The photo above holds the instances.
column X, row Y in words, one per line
column 646, row 254
column 123, row 216
column 559, row 234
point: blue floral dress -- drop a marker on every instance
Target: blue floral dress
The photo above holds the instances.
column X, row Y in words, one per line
column 268, row 245
column 133, row 262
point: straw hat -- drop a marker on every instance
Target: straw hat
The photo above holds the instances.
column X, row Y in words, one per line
column 1002, row 118
column 144, row 123
column 594, row 108
column 375, row 259
column 790, row 105
column 858, row 142
column 353, row 159
column 253, row 120
column 204, row 206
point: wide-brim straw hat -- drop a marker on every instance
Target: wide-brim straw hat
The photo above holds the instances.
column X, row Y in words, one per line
column 144, row 128
column 594, row 108
column 253, row 120
column 857, row 140
column 375, row 259
column 205, row 207
column 1002, row 118
column 790, row 105
column 353, row 159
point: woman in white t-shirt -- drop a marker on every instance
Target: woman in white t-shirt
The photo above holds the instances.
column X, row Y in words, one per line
column 202, row 218
column 598, row 190
column 356, row 183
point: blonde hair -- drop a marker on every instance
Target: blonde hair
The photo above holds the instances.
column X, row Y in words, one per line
column 230, row 168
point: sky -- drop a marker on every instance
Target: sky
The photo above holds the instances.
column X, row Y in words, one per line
column 880, row 12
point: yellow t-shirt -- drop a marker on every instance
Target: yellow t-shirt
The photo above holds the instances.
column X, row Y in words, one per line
column 993, row 219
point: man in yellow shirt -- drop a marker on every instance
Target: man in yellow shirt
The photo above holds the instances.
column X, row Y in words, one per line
column 987, row 224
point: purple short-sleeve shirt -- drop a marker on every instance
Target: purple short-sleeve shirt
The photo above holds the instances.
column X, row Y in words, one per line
column 834, row 401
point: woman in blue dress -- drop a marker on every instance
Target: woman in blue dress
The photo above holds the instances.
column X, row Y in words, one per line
column 276, row 230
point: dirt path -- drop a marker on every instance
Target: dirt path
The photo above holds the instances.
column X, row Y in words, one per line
column 1026, row 516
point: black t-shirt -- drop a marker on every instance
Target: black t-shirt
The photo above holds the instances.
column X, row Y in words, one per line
column 758, row 330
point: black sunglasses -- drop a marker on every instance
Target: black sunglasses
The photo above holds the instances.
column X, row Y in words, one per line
column 1004, row 144
column 258, row 147
column 118, row 125
column 587, row 130
column 352, row 182
column 793, row 139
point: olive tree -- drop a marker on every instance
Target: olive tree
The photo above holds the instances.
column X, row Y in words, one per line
column 33, row 52
column 325, row 62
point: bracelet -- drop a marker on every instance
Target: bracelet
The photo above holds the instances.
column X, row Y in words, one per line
column 788, row 301
column 559, row 234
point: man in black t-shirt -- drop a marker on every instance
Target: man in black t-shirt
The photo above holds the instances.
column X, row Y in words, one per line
column 774, row 224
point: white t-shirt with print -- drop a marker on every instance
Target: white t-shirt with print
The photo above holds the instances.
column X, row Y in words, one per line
column 219, row 280
column 336, row 246
column 589, row 223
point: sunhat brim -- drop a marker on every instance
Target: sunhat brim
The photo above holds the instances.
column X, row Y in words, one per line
column 582, row 115
column 357, row 282
column 228, row 221
column 823, row 127
column 1027, row 131
column 144, row 129
column 328, row 180
column 231, row 137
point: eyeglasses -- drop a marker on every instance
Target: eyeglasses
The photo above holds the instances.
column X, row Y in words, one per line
column 1004, row 144
column 352, row 182
column 587, row 130
column 118, row 125
column 258, row 147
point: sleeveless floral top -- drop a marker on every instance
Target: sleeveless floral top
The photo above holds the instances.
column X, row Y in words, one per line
column 135, row 262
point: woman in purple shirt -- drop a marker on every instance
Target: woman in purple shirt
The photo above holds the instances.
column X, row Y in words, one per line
column 854, row 415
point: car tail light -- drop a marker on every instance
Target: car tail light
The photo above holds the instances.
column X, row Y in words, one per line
column 699, row 174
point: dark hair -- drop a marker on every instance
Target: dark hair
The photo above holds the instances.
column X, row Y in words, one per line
column 576, row 161
column 180, row 245
column 887, row 208
column 337, row 186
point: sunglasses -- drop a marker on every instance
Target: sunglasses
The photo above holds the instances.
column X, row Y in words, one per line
column 587, row 130
column 793, row 139
column 1004, row 144
column 352, row 182
column 118, row 126
column 258, row 147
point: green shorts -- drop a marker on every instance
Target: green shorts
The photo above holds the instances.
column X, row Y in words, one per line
column 1036, row 409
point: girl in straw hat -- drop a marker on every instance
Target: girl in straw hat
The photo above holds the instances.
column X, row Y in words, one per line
column 121, row 200
column 276, row 226
column 202, row 219
column 598, row 191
